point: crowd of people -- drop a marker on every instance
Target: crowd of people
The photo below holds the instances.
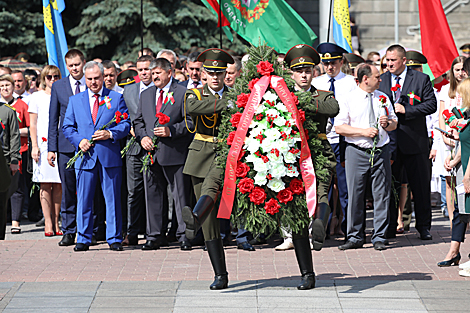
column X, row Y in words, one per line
column 390, row 135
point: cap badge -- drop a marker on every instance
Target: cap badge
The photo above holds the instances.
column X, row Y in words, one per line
column 301, row 60
column 411, row 62
column 327, row 55
column 216, row 51
column 215, row 63
column 299, row 46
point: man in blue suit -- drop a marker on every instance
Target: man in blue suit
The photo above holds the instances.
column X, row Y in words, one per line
column 86, row 113
column 59, row 147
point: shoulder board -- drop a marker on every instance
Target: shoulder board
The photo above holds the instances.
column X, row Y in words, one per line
column 9, row 106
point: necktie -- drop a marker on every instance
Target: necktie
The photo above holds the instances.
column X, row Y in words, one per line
column 217, row 96
column 77, row 87
column 159, row 102
column 332, row 88
column 372, row 120
column 195, row 84
column 96, row 105
column 20, row 97
column 398, row 92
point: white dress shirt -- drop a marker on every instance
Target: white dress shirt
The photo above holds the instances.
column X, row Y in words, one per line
column 165, row 89
column 220, row 92
column 91, row 98
column 191, row 84
column 73, row 81
column 344, row 84
column 402, row 80
column 143, row 86
column 354, row 111
column 118, row 89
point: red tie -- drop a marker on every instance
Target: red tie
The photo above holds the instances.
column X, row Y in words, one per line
column 160, row 102
column 94, row 114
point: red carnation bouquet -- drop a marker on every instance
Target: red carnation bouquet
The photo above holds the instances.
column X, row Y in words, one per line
column 148, row 160
column 118, row 116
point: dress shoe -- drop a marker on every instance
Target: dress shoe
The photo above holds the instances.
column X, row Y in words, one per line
column 425, row 235
column 116, row 246
column 49, row 234
column 350, row 245
column 465, row 265
column 130, row 241
column 454, row 261
column 151, row 245
column 258, row 241
column 246, row 246
column 307, row 282
column 286, row 245
column 81, row 247
column 220, row 282
column 67, row 240
column 465, row 272
column 186, row 246
column 379, row 245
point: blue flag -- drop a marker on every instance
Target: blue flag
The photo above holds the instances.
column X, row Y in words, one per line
column 55, row 35
column 342, row 24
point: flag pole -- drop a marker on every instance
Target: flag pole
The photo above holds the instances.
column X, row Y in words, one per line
column 220, row 23
column 142, row 27
column 329, row 23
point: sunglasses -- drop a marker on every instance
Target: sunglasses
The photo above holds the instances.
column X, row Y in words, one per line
column 49, row 77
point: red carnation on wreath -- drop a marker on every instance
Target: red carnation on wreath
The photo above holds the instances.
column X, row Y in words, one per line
column 265, row 68
column 242, row 169
column 272, row 207
column 245, row 185
column 242, row 100
column 302, row 116
column 230, row 138
column 252, row 83
column 257, row 195
column 296, row 186
column 162, row 118
column 285, row 196
column 235, row 119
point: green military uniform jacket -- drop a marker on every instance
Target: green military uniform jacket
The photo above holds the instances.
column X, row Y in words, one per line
column 206, row 120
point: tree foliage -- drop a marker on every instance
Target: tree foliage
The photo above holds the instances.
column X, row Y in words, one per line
column 110, row 29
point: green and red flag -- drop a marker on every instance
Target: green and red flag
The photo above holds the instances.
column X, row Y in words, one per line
column 270, row 21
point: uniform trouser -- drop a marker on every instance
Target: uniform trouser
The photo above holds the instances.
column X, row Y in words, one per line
column 110, row 178
column 358, row 171
column 68, row 205
column 18, row 198
column 209, row 186
column 342, row 185
column 136, row 195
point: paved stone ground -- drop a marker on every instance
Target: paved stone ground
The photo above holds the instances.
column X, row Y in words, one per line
column 37, row 275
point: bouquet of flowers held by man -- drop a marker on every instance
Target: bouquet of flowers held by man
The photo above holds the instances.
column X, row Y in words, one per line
column 269, row 148
column 118, row 116
column 148, row 160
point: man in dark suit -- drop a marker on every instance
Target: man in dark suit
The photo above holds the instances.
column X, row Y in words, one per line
column 193, row 68
column 86, row 113
column 59, row 147
column 135, row 177
column 409, row 142
column 173, row 139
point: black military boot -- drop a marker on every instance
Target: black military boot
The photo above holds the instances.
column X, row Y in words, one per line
column 217, row 256
column 304, row 258
column 195, row 218
column 319, row 225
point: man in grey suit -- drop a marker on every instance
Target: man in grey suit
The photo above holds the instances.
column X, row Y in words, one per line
column 169, row 157
column 135, row 178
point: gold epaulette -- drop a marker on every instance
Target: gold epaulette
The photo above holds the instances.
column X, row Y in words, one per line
column 6, row 104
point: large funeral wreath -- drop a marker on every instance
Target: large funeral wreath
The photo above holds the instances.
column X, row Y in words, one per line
column 270, row 191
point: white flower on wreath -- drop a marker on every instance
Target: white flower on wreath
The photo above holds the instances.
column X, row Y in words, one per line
column 260, row 109
column 252, row 144
column 270, row 96
column 281, row 107
column 272, row 134
column 280, row 121
column 260, row 166
column 260, row 178
column 272, row 112
column 276, row 185
column 283, row 146
column 252, row 158
column 278, row 170
column 292, row 171
column 268, row 145
column 274, row 158
column 290, row 158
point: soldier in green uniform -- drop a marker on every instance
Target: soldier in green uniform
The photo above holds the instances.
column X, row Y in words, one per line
column 204, row 105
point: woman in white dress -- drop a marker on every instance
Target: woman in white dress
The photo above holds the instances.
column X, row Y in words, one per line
column 46, row 175
column 449, row 98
